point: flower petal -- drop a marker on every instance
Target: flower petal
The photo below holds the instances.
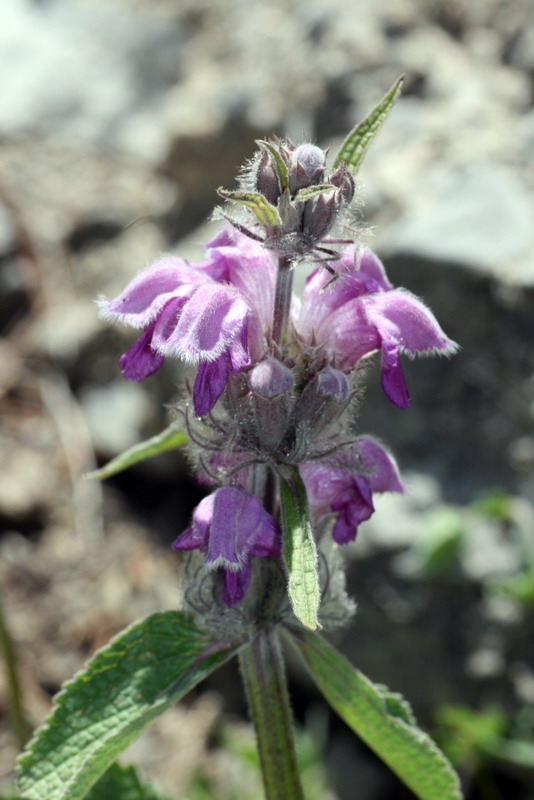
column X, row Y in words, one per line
column 392, row 378
column 235, row 585
column 196, row 536
column 229, row 526
column 141, row 360
column 145, row 296
column 210, row 383
column 166, row 322
column 247, row 265
column 400, row 316
column 372, row 271
column 359, row 509
column 379, row 466
column 211, row 320
column 345, row 484
column 359, row 272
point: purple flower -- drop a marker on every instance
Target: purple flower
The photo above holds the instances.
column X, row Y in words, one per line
column 229, row 526
column 141, row 359
column 236, row 259
column 344, row 485
column 361, row 313
column 215, row 314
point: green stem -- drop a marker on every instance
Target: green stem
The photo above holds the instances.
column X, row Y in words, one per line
column 282, row 300
column 18, row 720
column 262, row 667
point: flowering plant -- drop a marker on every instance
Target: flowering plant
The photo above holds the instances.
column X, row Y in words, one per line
column 269, row 427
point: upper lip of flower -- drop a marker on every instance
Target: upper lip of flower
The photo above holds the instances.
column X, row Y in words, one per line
column 361, row 313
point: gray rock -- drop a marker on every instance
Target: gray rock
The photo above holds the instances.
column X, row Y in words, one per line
column 115, row 414
column 478, row 217
column 65, row 68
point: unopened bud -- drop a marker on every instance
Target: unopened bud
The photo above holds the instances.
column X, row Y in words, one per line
column 343, row 179
column 270, row 382
column 270, row 378
column 323, row 399
column 331, row 381
column 320, row 214
column 306, row 167
column 266, row 177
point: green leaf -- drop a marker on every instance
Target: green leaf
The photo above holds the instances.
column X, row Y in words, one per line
column 439, row 545
column 300, row 553
column 126, row 685
column 381, row 719
column 278, row 161
column 312, row 191
column 520, row 587
column 358, row 140
column 496, row 504
column 168, row 439
column 396, row 705
column 466, row 732
column 123, row 783
column 266, row 213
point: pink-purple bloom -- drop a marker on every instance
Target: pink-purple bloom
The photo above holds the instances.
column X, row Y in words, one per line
column 213, row 313
column 361, row 312
column 229, row 527
column 344, row 484
column 217, row 314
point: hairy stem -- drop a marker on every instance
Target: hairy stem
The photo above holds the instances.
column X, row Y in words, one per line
column 19, row 725
column 263, row 672
column 282, row 300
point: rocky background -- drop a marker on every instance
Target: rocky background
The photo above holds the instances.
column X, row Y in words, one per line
column 118, row 120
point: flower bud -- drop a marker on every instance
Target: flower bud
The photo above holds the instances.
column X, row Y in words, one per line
column 306, row 167
column 331, row 381
column 270, row 382
column 323, row 400
column 270, row 378
column 319, row 215
column 343, row 179
column 266, row 178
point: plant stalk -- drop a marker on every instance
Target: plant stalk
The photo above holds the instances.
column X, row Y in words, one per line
column 19, row 724
column 263, row 671
column 282, row 300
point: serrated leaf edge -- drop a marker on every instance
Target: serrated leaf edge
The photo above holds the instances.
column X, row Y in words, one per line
column 298, row 501
column 360, row 137
column 378, row 701
column 59, row 699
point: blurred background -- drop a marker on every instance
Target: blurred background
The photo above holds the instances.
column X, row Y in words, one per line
column 118, row 121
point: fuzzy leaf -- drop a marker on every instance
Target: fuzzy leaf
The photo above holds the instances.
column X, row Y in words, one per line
column 300, row 553
column 312, row 191
column 279, row 164
column 382, row 719
column 126, row 685
column 265, row 212
column 168, row 439
column 123, row 783
column 358, row 140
